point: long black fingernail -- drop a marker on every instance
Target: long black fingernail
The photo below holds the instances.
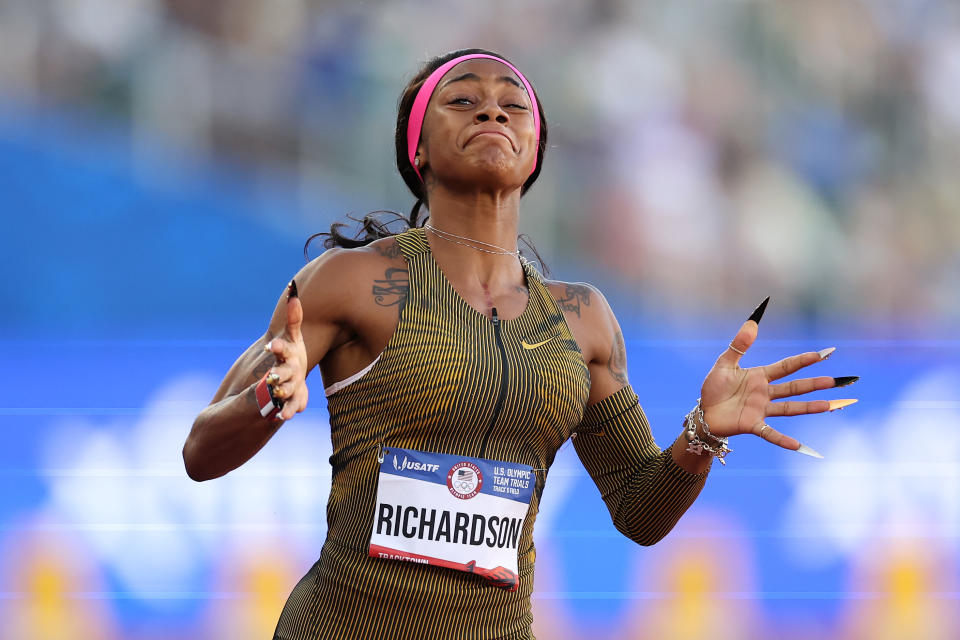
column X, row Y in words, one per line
column 292, row 289
column 758, row 312
column 845, row 381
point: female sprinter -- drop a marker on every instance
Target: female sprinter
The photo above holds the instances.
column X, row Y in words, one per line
column 454, row 372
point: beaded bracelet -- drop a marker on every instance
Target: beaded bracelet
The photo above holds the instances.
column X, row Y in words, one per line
column 717, row 447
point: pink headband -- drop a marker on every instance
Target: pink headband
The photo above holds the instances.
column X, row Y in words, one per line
column 415, row 122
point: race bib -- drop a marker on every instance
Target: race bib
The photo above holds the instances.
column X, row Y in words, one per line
column 452, row 511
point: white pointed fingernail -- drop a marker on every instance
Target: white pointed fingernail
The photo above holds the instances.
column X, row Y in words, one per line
column 266, row 347
column 825, row 353
column 807, row 451
column 836, row 405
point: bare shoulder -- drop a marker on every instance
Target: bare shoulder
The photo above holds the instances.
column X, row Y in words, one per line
column 597, row 332
column 577, row 300
column 358, row 291
column 372, row 256
column 588, row 315
column 387, row 248
column 387, row 277
column 338, row 273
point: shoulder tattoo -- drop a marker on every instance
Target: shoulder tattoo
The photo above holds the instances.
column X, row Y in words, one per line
column 617, row 362
column 574, row 295
column 392, row 290
column 388, row 249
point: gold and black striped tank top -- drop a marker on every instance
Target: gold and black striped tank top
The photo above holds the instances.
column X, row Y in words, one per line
column 450, row 380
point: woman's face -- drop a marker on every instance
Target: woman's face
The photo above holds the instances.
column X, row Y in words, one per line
column 478, row 130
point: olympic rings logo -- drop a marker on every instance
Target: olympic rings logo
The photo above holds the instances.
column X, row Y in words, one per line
column 464, row 486
column 464, row 480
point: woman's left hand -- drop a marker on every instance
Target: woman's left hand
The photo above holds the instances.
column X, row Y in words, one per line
column 736, row 400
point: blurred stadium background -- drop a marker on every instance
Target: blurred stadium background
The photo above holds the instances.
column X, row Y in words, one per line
column 162, row 162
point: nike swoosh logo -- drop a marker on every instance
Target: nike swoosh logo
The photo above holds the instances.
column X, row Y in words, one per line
column 527, row 345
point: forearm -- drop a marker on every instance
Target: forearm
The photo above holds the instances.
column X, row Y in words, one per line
column 658, row 494
column 232, row 429
column 226, row 434
column 645, row 488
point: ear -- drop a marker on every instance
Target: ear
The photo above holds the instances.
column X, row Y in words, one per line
column 422, row 157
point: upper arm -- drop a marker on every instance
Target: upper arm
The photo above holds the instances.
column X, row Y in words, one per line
column 323, row 286
column 597, row 332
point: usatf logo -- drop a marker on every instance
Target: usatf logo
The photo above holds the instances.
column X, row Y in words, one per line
column 414, row 466
column 464, row 480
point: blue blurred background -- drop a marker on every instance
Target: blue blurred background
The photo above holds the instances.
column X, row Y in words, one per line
column 162, row 162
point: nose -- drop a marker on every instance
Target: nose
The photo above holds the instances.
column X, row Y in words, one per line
column 490, row 109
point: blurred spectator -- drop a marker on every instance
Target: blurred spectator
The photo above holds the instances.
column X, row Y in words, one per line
column 702, row 154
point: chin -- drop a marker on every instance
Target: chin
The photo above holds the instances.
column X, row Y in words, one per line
column 495, row 167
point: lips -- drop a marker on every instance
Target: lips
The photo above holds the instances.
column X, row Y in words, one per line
column 495, row 133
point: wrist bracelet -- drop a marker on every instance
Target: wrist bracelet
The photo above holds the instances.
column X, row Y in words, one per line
column 269, row 404
column 715, row 446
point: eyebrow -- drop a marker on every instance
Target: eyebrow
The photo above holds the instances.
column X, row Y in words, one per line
column 472, row 76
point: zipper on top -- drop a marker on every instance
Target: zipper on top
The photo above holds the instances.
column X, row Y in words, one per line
column 498, row 407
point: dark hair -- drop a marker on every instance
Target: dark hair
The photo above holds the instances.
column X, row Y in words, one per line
column 377, row 224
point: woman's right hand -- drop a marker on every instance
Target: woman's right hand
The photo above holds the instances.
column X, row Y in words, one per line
column 230, row 430
column 288, row 376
